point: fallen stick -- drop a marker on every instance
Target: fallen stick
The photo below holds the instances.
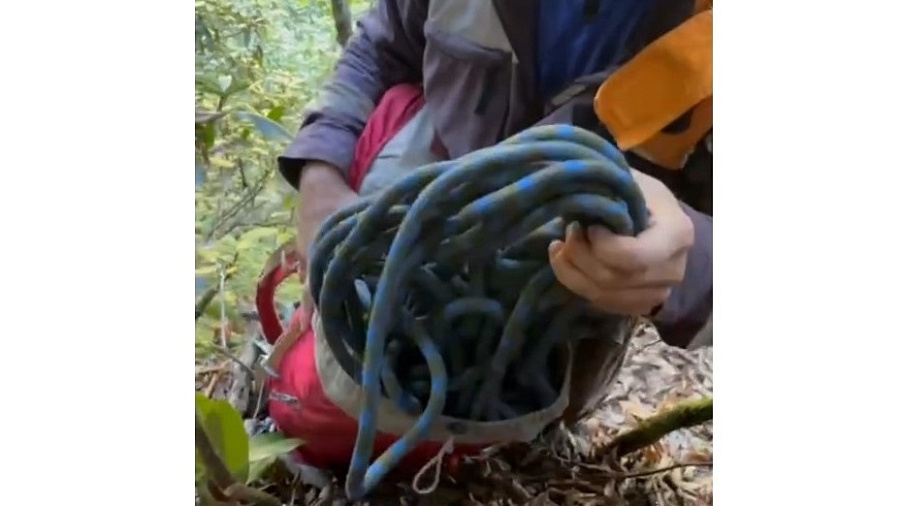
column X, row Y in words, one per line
column 681, row 416
column 241, row 392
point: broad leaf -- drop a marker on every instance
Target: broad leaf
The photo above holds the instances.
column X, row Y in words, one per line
column 208, row 134
column 266, row 127
column 265, row 450
column 225, row 428
column 224, row 83
column 276, row 113
column 204, row 83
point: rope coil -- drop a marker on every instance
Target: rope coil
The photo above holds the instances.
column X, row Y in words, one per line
column 437, row 293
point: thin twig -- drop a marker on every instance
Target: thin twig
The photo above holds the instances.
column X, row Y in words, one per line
column 206, row 369
column 243, row 492
column 238, row 226
column 234, row 358
column 646, row 472
column 212, row 384
column 204, row 301
column 243, row 173
column 646, row 346
column 201, row 117
column 241, row 389
column 249, row 196
column 223, row 320
column 343, row 23
column 211, row 292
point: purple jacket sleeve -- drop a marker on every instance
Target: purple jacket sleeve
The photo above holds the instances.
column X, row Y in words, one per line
column 386, row 49
column 690, row 304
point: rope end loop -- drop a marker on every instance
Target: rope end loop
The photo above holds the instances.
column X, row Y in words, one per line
column 435, row 462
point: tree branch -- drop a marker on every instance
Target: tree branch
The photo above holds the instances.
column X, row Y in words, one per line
column 235, row 208
column 684, row 415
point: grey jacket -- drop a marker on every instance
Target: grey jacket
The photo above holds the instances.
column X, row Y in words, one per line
column 475, row 60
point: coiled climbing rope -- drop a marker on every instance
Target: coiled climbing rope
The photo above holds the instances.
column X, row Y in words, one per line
column 438, row 294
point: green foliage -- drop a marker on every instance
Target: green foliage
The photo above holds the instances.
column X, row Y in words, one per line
column 265, row 450
column 245, row 458
column 258, row 63
column 225, row 429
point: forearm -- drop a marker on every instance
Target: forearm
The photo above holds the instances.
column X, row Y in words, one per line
column 690, row 304
column 319, row 180
column 385, row 50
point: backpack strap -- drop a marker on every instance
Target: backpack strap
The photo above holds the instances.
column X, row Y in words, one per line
column 281, row 265
column 649, row 115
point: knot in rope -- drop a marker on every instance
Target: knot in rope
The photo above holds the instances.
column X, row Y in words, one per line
column 438, row 294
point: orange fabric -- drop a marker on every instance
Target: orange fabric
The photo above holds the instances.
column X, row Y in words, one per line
column 668, row 78
column 672, row 150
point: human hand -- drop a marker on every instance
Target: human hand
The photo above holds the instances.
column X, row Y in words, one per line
column 323, row 191
column 628, row 275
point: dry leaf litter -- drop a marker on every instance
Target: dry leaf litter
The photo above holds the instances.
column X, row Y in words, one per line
column 562, row 468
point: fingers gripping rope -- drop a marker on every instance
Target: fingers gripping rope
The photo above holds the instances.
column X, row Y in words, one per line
column 437, row 294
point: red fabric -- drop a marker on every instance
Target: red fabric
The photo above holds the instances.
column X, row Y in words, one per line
column 329, row 434
column 265, row 297
column 398, row 105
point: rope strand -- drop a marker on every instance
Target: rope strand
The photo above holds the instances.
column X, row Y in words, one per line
column 447, row 269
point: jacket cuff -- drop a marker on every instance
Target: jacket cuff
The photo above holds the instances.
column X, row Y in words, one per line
column 321, row 140
column 690, row 303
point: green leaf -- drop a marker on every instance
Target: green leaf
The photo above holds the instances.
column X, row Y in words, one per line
column 225, row 428
column 267, row 128
column 252, row 237
column 224, row 84
column 287, row 203
column 236, row 87
column 265, row 450
column 271, row 444
column 213, row 311
column 204, row 83
column 209, row 134
column 285, row 236
column 276, row 113
column 207, row 271
column 218, row 252
column 225, row 247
